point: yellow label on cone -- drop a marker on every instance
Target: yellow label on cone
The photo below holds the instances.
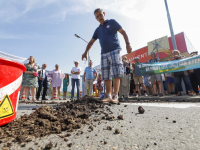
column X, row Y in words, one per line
column 6, row 108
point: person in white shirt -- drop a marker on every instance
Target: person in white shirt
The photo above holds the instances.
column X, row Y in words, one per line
column 75, row 79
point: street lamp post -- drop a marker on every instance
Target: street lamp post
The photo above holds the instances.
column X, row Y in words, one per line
column 170, row 26
column 86, row 42
column 88, row 64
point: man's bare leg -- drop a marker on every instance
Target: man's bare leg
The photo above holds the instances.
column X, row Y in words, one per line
column 108, row 97
column 108, row 84
column 116, row 84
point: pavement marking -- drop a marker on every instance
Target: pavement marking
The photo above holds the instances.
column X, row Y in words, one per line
column 170, row 105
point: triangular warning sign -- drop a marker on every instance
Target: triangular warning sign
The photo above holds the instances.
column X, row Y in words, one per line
column 6, row 108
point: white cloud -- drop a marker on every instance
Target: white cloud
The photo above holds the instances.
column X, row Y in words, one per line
column 12, row 10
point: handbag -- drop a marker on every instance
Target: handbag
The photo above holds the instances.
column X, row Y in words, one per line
column 36, row 73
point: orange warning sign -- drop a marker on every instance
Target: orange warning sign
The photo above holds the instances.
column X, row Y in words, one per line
column 6, row 108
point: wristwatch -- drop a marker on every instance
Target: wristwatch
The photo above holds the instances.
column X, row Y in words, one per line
column 127, row 42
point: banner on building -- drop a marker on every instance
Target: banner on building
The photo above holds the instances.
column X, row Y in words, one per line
column 167, row 66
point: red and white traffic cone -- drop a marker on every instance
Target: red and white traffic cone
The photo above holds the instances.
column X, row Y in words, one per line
column 55, row 94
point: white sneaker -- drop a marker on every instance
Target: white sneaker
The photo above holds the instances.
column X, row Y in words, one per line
column 145, row 94
column 137, row 95
column 115, row 99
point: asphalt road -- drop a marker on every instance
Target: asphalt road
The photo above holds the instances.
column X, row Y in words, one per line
column 162, row 126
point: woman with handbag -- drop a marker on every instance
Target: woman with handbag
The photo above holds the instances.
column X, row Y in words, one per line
column 30, row 80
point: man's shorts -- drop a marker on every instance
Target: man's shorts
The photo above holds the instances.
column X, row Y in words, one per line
column 155, row 77
column 111, row 65
column 170, row 80
column 138, row 79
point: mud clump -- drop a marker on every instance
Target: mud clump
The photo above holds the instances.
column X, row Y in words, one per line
column 141, row 110
column 117, row 131
column 48, row 146
column 69, row 145
column 91, row 127
column 120, row 117
column 109, row 128
column 46, row 120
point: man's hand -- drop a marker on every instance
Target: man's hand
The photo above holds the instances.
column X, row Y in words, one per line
column 84, row 56
column 191, row 71
column 128, row 48
column 134, row 75
column 88, row 48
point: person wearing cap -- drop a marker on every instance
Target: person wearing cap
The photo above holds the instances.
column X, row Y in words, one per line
column 124, row 81
column 111, row 62
column 156, row 77
column 90, row 75
column 75, row 79
column 195, row 75
column 138, row 79
column 57, row 76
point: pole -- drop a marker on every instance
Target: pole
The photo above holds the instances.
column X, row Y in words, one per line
column 170, row 26
column 86, row 42
column 156, row 44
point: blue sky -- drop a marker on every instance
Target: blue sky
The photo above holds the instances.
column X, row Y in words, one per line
column 45, row 28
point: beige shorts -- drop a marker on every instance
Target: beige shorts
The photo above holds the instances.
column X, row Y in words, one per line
column 138, row 79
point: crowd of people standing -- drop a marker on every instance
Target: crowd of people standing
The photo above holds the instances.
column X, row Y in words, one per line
column 35, row 77
column 116, row 71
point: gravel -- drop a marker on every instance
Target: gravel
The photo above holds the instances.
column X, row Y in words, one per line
column 158, row 128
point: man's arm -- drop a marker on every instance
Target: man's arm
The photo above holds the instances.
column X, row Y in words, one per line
column 84, row 76
column 88, row 48
column 126, row 62
column 133, row 73
column 128, row 46
column 77, row 72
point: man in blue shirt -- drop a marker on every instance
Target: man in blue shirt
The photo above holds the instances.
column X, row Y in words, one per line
column 111, row 62
column 90, row 75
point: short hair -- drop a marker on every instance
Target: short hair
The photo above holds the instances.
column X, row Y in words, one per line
column 96, row 10
column 176, row 51
column 153, row 53
column 194, row 52
column 57, row 65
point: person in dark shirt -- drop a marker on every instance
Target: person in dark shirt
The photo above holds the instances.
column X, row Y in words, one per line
column 111, row 62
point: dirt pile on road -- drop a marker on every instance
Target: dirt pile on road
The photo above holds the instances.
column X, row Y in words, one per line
column 47, row 120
